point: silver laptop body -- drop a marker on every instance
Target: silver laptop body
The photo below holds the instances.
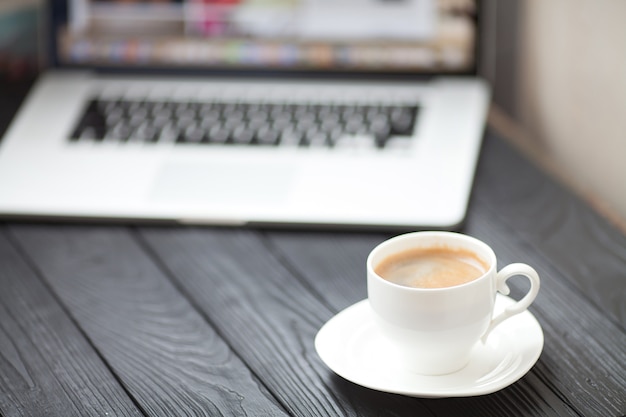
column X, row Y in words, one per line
column 97, row 139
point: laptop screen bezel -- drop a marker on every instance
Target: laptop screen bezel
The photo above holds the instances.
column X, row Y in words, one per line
column 57, row 15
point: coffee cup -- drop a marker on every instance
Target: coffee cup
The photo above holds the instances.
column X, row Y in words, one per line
column 433, row 297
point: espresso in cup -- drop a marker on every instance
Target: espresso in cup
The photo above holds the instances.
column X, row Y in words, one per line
column 434, row 332
column 432, row 267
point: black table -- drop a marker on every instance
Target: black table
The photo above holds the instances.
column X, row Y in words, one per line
column 117, row 320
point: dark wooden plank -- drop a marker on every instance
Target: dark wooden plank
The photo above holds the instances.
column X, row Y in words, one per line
column 166, row 355
column 340, row 278
column 250, row 299
column 584, row 357
column 589, row 252
column 47, row 367
column 270, row 308
column 584, row 361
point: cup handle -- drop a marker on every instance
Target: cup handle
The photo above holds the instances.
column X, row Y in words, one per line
column 501, row 286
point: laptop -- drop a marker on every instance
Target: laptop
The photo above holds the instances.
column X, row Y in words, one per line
column 343, row 113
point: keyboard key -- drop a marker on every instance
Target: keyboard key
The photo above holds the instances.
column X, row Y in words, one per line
column 159, row 121
column 354, row 125
column 334, row 136
column 207, row 120
column 89, row 133
column 403, row 120
column 381, row 129
column 145, row 133
column 138, row 113
column 291, row 137
column 267, row 136
column 257, row 116
column 192, row 134
column 120, row 131
column 315, row 138
column 135, row 120
column 168, row 134
column 219, row 134
column 242, row 135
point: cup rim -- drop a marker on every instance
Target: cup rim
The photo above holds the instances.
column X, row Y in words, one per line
column 492, row 261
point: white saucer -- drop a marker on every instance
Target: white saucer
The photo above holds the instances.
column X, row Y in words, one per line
column 351, row 345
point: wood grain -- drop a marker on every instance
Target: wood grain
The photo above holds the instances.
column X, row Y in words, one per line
column 46, row 365
column 584, row 357
column 590, row 253
column 589, row 374
column 168, row 358
column 281, row 302
column 251, row 300
column 572, row 326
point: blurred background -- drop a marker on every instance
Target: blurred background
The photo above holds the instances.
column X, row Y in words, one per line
column 557, row 69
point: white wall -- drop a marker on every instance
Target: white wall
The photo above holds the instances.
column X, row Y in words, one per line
column 572, row 90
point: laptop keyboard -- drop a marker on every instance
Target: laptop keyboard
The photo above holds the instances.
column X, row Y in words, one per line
column 236, row 123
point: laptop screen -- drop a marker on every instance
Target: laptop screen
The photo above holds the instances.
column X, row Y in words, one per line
column 370, row 36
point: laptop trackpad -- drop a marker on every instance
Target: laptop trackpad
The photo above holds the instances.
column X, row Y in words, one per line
column 222, row 183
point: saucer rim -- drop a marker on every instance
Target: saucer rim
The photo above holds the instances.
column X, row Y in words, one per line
column 520, row 371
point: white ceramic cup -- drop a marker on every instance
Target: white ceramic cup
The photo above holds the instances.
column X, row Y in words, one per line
column 435, row 329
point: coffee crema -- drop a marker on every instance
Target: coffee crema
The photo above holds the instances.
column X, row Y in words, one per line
column 432, row 267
